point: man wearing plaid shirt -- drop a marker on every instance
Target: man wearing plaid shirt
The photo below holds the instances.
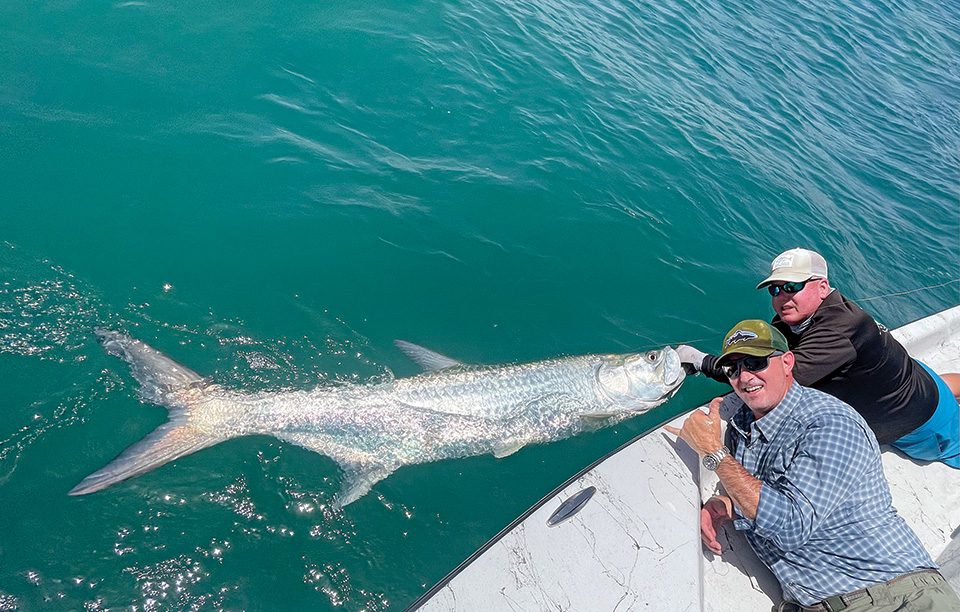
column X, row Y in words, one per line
column 804, row 481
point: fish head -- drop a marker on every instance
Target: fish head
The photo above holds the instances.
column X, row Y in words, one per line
column 637, row 382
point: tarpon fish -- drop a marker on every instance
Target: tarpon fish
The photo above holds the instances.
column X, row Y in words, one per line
column 370, row 430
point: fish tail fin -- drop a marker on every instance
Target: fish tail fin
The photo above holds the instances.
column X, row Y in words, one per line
column 161, row 378
column 165, row 382
column 170, row 441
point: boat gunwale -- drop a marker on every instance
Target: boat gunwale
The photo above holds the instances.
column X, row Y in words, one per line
column 426, row 596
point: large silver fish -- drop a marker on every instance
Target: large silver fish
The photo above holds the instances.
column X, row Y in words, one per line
column 451, row 410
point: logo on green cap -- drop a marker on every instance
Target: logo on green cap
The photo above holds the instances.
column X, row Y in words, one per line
column 741, row 335
column 753, row 337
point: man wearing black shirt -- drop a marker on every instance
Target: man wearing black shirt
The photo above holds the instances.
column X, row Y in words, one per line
column 843, row 351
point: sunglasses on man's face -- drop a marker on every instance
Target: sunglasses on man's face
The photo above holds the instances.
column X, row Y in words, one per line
column 750, row 364
column 794, row 287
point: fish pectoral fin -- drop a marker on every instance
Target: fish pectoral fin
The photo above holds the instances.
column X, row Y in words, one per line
column 431, row 361
column 508, row 447
column 357, row 482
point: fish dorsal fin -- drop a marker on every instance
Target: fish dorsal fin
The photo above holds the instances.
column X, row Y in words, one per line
column 430, row 361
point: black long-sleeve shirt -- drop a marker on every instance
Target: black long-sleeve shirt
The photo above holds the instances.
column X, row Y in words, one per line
column 846, row 353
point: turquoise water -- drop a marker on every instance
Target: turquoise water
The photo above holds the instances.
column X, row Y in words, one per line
column 272, row 192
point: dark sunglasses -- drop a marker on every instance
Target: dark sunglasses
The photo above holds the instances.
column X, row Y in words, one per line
column 795, row 287
column 750, row 364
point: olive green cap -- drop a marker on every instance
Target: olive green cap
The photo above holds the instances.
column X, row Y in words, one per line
column 752, row 337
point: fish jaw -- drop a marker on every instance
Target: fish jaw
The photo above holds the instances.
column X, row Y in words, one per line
column 637, row 382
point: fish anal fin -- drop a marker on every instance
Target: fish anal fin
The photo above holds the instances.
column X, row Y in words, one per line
column 361, row 470
column 431, row 361
column 508, row 447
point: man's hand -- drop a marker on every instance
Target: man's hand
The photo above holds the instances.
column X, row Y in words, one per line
column 690, row 357
column 717, row 511
column 701, row 431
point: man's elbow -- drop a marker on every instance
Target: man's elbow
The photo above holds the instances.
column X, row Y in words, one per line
column 791, row 539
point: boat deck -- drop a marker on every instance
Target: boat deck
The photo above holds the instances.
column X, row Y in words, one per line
column 636, row 543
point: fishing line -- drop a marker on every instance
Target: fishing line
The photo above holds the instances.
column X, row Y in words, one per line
column 908, row 292
column 854, row 300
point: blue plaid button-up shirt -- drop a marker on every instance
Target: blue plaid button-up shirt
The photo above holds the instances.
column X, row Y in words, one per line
column 825, row 523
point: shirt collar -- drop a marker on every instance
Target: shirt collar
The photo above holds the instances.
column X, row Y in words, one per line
column 773, row 421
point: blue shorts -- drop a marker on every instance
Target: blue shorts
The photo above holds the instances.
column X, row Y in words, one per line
column 939, row 438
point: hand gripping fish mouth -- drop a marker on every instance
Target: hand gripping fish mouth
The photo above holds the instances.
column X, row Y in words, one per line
column 450, row 410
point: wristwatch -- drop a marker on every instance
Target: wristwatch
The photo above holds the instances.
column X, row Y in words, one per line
column 712, row 460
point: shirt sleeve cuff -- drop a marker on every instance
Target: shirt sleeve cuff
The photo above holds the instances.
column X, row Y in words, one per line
column 740, row 522
column 772, row 510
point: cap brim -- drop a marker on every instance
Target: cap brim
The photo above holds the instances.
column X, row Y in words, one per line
column 750, row 351
column 786, row 277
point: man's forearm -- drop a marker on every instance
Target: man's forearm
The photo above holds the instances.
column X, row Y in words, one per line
column 742, row 487
column 709, row 368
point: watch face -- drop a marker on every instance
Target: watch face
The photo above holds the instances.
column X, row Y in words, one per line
column 710, row 462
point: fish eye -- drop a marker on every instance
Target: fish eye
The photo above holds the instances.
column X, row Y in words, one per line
column 652, row 356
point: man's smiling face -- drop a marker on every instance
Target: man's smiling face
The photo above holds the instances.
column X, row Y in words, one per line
column 763, row 390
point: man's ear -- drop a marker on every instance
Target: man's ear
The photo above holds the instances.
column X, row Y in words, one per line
column 823, row 288
column 788, row 360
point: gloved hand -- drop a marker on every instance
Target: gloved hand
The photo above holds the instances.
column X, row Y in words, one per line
column 690, row 358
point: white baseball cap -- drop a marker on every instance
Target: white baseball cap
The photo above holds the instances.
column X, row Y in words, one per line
column 796, row 265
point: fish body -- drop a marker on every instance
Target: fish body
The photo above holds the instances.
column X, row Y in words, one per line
column 370, row 430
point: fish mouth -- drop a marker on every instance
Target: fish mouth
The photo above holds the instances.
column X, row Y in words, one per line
column 671, row 363
column 673, row 385
column 672, row 359
column 672, row 392
column 676, row 382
